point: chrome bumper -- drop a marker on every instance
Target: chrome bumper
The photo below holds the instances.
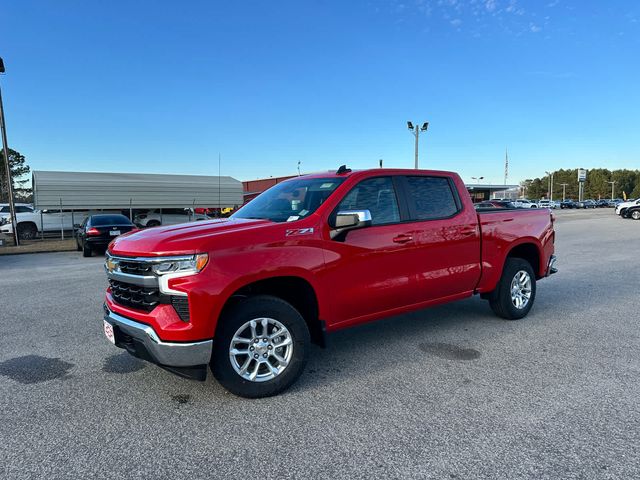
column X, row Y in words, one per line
column 143, row 342
column 551, row 269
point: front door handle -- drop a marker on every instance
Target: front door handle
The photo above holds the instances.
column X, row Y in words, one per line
column 402, row 238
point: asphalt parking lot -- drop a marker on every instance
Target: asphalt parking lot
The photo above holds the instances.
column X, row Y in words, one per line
column 451, row 392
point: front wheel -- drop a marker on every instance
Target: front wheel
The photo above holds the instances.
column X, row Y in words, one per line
column 635, row 215
column 514, row 296
column 261, row 347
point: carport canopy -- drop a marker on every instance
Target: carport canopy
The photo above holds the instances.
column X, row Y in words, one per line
column 89, row 190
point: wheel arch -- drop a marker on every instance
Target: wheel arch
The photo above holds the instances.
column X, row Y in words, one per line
column 531, row 251
column 293, row 289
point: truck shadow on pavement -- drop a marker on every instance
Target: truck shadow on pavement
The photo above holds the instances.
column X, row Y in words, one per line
column 30, row 369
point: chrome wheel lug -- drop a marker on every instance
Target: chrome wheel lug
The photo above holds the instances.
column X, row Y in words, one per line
column 256, row 356
column 251, row 348
column 264, row 355
column 265, row 339
column 270, row 347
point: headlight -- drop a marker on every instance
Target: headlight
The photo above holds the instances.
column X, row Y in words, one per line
column 193, row 264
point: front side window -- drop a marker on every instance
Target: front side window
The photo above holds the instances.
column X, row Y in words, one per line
column 376, row 195
column 431, row 198
column 291, row 200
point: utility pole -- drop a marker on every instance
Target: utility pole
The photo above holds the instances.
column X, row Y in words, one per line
column 298, row 167
column 613, row 186
column 564, row 190
column 416, row 132
column 12, row 206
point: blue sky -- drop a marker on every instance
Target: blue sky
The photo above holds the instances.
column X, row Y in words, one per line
column 153, row 86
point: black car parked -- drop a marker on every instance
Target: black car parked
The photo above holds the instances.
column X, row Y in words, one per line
column 98, row 230
column 568, row 203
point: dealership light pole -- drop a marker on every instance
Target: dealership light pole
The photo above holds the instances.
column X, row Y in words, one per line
column 550, row 174
column 416, row 132
column 564, row 190
column 613, row 186
column 12, row 207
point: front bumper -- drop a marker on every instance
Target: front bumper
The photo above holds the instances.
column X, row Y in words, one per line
column 184, row 358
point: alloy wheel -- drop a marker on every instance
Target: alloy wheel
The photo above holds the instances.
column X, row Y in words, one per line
column 521, row 289
column 261, row 349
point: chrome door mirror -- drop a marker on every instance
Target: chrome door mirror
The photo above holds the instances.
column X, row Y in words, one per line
column 346, row 220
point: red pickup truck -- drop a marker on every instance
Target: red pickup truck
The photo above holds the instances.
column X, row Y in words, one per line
column 246, row 295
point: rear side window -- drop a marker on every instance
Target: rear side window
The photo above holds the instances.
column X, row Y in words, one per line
column 376, row 195
column 431, row 198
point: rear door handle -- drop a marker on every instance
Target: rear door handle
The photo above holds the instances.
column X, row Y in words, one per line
column 402, row 238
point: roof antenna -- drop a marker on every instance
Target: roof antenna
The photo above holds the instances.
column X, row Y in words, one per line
column 342, row 170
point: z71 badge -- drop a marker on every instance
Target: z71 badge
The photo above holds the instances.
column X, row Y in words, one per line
column 299, row 231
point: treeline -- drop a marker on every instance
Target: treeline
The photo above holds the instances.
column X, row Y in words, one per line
column 596, row 186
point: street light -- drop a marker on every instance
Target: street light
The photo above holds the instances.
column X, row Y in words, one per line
column 550, row 174
column 613, row 186
column 564, row 190
column 12, row 207
column 416, row 132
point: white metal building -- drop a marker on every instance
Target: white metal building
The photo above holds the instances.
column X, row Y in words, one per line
column 110, row 191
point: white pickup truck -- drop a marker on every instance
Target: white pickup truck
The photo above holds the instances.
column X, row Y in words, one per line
column 33, row 222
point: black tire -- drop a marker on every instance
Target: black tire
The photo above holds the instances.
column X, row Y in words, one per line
column 27, row 231
column 78, row 246
column 500, row 299
column 259, row 306
column 153, row 223
column 86, row 250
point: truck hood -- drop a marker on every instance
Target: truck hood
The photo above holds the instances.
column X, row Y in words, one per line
column 182, row 239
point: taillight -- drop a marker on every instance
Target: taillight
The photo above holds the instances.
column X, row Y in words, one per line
column 93, row 231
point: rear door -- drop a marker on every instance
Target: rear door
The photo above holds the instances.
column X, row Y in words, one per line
column 447, row 237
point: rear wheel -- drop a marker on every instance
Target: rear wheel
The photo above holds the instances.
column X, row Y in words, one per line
column 153, row 223
column 86, row 250
column 261, row 347
column 78, row 246
column 514, row 296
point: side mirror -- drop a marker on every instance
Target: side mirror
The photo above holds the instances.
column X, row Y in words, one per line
column 346, row 220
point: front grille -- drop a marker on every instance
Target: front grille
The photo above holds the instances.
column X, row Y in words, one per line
column 181, row 306
column 135, row 268
column 133, row 296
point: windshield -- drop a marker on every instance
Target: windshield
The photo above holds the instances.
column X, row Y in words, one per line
column 290, row 200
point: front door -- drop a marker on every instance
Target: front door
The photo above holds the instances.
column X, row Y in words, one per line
column 371, row 270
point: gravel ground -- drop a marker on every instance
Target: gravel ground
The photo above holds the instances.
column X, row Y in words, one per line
column 451, row 392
